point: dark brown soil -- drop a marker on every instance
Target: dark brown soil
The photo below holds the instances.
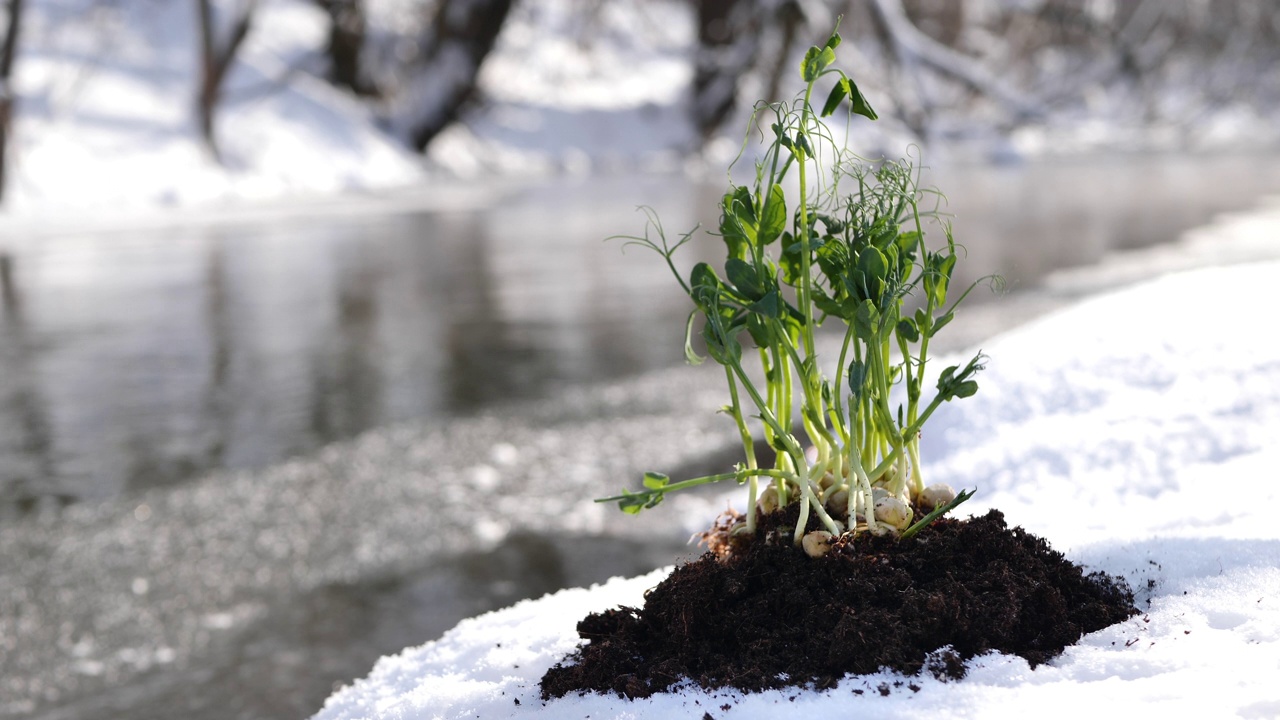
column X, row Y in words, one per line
column 768, row 616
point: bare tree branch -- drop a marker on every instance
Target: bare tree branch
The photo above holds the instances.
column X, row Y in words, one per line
column 8, row 52
column 462, row 35
column 347, row 26
column 215, row 60
column 911, row 45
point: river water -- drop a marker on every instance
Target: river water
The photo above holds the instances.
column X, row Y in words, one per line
column 135, row 358
column 163, row 386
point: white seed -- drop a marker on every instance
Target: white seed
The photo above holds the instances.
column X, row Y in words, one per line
column 893, row 512
column 768, row 500
column 936, row 495
column 838, row 502
column 881, row 529
column 878, row 493
column 817, row 543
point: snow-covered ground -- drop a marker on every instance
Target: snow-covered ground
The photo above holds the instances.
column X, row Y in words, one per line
column 105, row 117
column 105, row 95
column 1138, row 431
column 105, row 120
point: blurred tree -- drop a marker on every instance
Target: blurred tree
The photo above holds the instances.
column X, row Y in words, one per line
column 347, row 27
column 460, row 36
column 728, row 36
column 914, row 50
column 215, row 59
column 7, row 53
column 735, row 39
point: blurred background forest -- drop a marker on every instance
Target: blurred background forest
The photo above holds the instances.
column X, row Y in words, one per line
column 310, row 346
column 93, row 92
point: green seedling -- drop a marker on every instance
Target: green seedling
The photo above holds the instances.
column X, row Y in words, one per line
column 822, row 235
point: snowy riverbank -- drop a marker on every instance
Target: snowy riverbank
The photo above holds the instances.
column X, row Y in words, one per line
column 105, row 117
column 1136, row 431
column 105, row 123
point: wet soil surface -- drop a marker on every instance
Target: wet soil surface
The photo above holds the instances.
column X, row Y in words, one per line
column 768, row 616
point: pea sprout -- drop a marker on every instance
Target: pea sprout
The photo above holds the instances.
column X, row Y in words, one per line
column 850, row 246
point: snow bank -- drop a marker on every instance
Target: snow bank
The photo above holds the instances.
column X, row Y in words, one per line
column 106, row 114
column 1137, row 431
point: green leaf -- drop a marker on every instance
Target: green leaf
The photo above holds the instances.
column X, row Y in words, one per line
column 815, row 61
column 632, row 503
column 733, row 236
column 834, row 225
column 744, row 206
column 738, row 221
column 951, row 385
column 942, row 276
column 872, row 263
column 866, row 321
column 759, row 330
column 833, row 260
column 838, row 93
column 907, row 243
column 860, row 104
column 857, row 378
column 773, row 216
column 723, row 347
column 790, row 262
column 884, row 233
column 768, row 306
column 873, row 269
column 907, row 330
column 940, row 323
column 802, row 145
column 825, row 303
column 704, row 286
column 656, row 480
column 945, row 378
column 743, row 276
column 834, row 41
column 923, row 321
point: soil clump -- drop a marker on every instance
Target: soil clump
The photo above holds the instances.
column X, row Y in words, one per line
column 764, row 615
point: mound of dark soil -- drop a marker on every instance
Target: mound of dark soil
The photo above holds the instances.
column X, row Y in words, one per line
column 768, row 616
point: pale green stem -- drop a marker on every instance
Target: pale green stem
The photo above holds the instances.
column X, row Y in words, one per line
column 748, row 447
column 806, row 258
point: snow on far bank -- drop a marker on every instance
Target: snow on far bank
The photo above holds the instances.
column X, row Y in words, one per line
column 104, row 121
column 1138, row 431
column 573, row 92
column 105, row 118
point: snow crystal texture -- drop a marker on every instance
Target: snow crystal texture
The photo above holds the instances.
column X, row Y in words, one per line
column 1136, row 431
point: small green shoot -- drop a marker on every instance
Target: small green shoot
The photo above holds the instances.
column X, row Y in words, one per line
column 821, row 235
column 936, row 513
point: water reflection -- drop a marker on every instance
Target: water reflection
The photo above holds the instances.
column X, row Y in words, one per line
column 135, row 360
column 287, row 661
column 25, row 433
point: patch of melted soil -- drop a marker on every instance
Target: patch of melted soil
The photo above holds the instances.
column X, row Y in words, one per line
column 767, row 616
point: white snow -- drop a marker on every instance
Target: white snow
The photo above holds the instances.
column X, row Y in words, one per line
column 1137, row 431
column 105, row 120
